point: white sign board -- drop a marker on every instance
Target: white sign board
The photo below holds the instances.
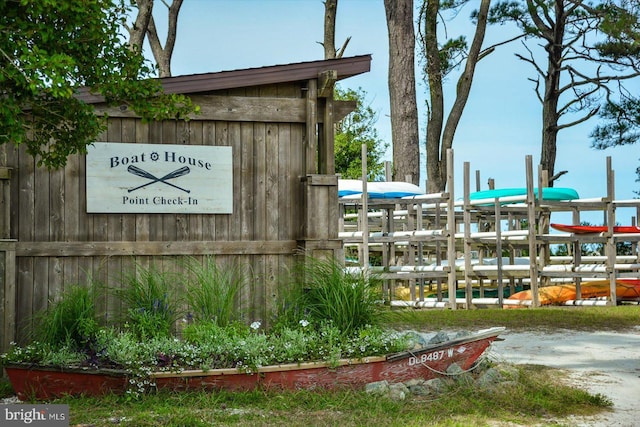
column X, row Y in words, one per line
column 159, row 178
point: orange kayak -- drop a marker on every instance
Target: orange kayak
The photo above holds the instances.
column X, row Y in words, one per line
column 626, row 289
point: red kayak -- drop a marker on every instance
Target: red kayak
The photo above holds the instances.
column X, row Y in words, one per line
column 586, row 229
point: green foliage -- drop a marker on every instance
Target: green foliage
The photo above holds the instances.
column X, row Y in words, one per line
column 212, row 291
column 206, row 345
column 621, row 28
column 618, row 318
column 354, row 130
column 453, row 51
column 31, row 354
column 50, row 49
column 249, row 347
column 151, row 301
column 594, row 48
column 349, row 299
column 621, row 126
column 462, row 406
column 69, row 321
column 512, row 11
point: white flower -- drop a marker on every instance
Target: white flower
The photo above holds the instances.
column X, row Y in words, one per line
column 255, row 325
column 304, row 323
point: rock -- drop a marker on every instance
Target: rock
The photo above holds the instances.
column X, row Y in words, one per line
column 420, row 390
column 416, row 339
column 441, row 336
column 509, row 372
column 462, row 334
column 414, row 382
column 395, row 391
column 489, row 378
column 454, row 369
column 418, row 387
column 483, row 364
column 378, row 387
column 459, row 375
column 438, row 385
column 398, row 391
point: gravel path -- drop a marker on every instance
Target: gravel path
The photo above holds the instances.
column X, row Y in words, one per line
column 600, row 362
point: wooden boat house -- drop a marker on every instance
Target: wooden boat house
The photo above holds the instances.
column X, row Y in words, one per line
column 250, row 179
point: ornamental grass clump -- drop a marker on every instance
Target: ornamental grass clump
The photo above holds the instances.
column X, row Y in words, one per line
column 151, row 302
column 69, row 321
column 349, row 299
column 212, row 291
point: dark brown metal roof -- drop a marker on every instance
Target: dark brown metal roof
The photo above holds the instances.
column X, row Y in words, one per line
column 302, row 71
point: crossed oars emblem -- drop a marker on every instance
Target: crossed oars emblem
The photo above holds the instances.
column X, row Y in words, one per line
column 144, row 174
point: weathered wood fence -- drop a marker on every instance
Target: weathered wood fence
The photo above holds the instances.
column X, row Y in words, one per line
column 279, row 122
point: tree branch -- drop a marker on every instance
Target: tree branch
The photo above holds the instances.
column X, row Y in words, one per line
column 139, row 29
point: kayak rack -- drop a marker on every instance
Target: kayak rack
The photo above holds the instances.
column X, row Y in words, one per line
column 436, row 251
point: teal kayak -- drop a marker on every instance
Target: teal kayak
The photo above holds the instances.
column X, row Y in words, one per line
column 488, row 292
column 548, row 193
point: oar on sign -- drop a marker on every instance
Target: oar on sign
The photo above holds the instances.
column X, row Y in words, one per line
column 144, row 174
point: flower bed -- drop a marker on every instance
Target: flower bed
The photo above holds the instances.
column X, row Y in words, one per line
column 215, row 346
column 421, row 363
column 204, row 347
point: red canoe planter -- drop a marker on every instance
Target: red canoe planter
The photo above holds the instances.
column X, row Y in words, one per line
column 427, row 362
column 43, row 383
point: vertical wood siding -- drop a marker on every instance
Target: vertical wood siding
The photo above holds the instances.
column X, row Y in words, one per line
column 50, row 207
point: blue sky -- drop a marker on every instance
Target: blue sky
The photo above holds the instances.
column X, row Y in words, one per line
column 500, row 126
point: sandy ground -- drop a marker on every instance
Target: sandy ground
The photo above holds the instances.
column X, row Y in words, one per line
column 600, row 362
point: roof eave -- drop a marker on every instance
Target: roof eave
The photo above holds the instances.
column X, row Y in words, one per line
column 207, row 82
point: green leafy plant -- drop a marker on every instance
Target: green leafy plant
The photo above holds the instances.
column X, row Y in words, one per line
column 42, row 76
column 151, row 301
column 206, row 346
column 70, row 320
column 349, row 299
column 212, row 291
column 333, row 317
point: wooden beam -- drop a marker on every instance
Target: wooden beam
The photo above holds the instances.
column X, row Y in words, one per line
column 8, row 292
column 315, row 179
column 326, row 83
column 156, row 248
column 342, row 108
column 243, row 109
column 311, row 120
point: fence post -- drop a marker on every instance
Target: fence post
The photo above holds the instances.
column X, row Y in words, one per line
column 7, row 293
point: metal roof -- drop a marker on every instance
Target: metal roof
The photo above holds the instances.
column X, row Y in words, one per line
column 207, row 82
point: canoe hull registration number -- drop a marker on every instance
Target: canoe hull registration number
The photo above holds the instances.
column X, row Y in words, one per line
column 430, row 357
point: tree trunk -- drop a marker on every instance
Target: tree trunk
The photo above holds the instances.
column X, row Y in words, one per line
column 463, row 89
column 145, row 25
column 438, row 140
column 435, row 119
column 402, row 91
column 329, row 44
column 550, row 115
column 139, row 29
